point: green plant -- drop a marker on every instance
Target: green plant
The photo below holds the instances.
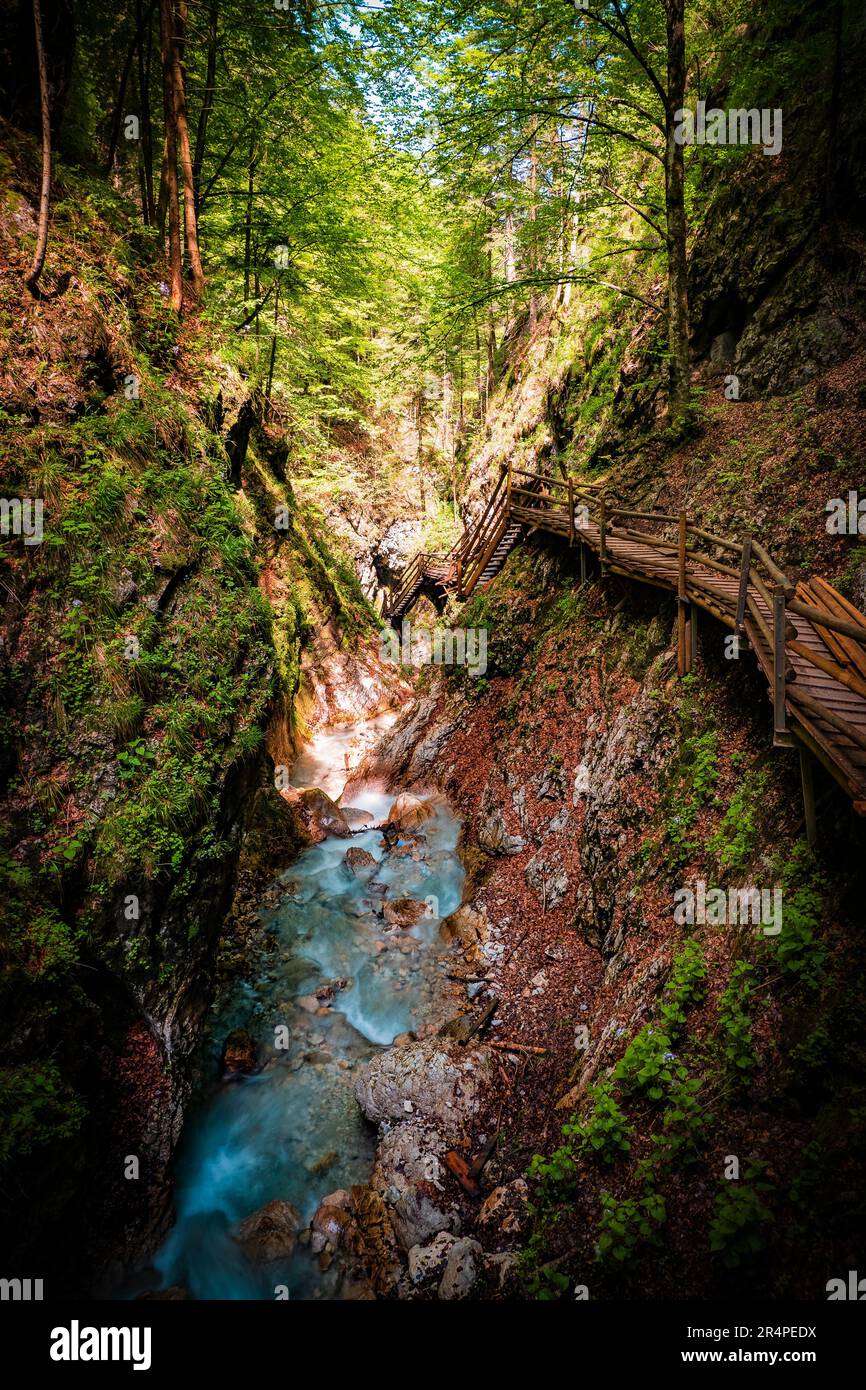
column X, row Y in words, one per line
column 737, row 1228
column 626, row 1224
column 735, row 1025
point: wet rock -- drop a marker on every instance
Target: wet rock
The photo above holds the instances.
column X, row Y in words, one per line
column 332, row 1223
column 442, row 1084
column 464, row 1264
column 403, row 912
column 327, row 1161
column 357, row 817
column 318, row 814
column 269, row 1234
column 239, row 1053
column 419, row 1214
column 408, row 812
column 374, row 1242
column 358, row 859
column 428, row 1262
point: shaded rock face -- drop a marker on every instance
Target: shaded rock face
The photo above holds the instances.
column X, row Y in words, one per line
column 269, row 1234
column 634, row 746
column 441, row 1085
column 412, row 755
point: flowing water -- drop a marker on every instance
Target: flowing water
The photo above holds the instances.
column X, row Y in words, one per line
column 294, row 1130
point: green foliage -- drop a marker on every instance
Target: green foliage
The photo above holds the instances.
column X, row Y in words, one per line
column 735, row 1025
column 604, row 1133
column 36, row 1109
column 627, row 1224
column 735, row 841
column 740, row 1218
column 800, row 950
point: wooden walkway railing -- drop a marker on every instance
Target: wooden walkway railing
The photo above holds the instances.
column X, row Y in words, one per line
column 809, row 641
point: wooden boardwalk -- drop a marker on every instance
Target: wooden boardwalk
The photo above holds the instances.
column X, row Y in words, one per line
column 809, row 641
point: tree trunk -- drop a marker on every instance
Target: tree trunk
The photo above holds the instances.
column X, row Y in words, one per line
column 45, row 192
column 678, row 295
column 419, row 453
column 144, row 51
column 248, row 221
column 207, row 102
column 190, row 221
column 533, row 219
column 175, row 259
column 273, row 361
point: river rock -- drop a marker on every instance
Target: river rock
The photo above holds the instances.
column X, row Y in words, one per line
column 357, row 817
column 333, row 1222
column 462, row 1268
column 442, row 1084
column 403, row 912
column 419, row 1214
column 374, row 1241
column 408, row 812
column 270, row 1233
column 428, row 1261
column 239, row 1053
column 358, row 859
column 409, row 1153
column 319, row 815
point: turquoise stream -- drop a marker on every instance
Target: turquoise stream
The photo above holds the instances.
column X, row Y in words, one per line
column 294, row 1130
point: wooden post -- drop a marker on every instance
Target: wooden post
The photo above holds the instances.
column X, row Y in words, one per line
column 602, row 530
column 742, row 596
column 682, row 648
column 693, row 635
column 459, row 578
column 780, row 725
column 808, row 782
column 508, row 489
column 582, row 563
column 570, row 512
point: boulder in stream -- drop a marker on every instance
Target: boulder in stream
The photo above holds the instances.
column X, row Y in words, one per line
column 357, row 817
column 443, row 1084
column 318, row 814
column 403, row 912
column 239, row 1053
column 408, row 812
column 269, row 1234
column 358, row 859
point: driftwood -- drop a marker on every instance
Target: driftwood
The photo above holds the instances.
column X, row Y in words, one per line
column 519, row 1047
column 467, row 1174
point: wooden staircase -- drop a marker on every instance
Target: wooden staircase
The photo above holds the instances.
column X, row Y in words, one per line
column 809, row 641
